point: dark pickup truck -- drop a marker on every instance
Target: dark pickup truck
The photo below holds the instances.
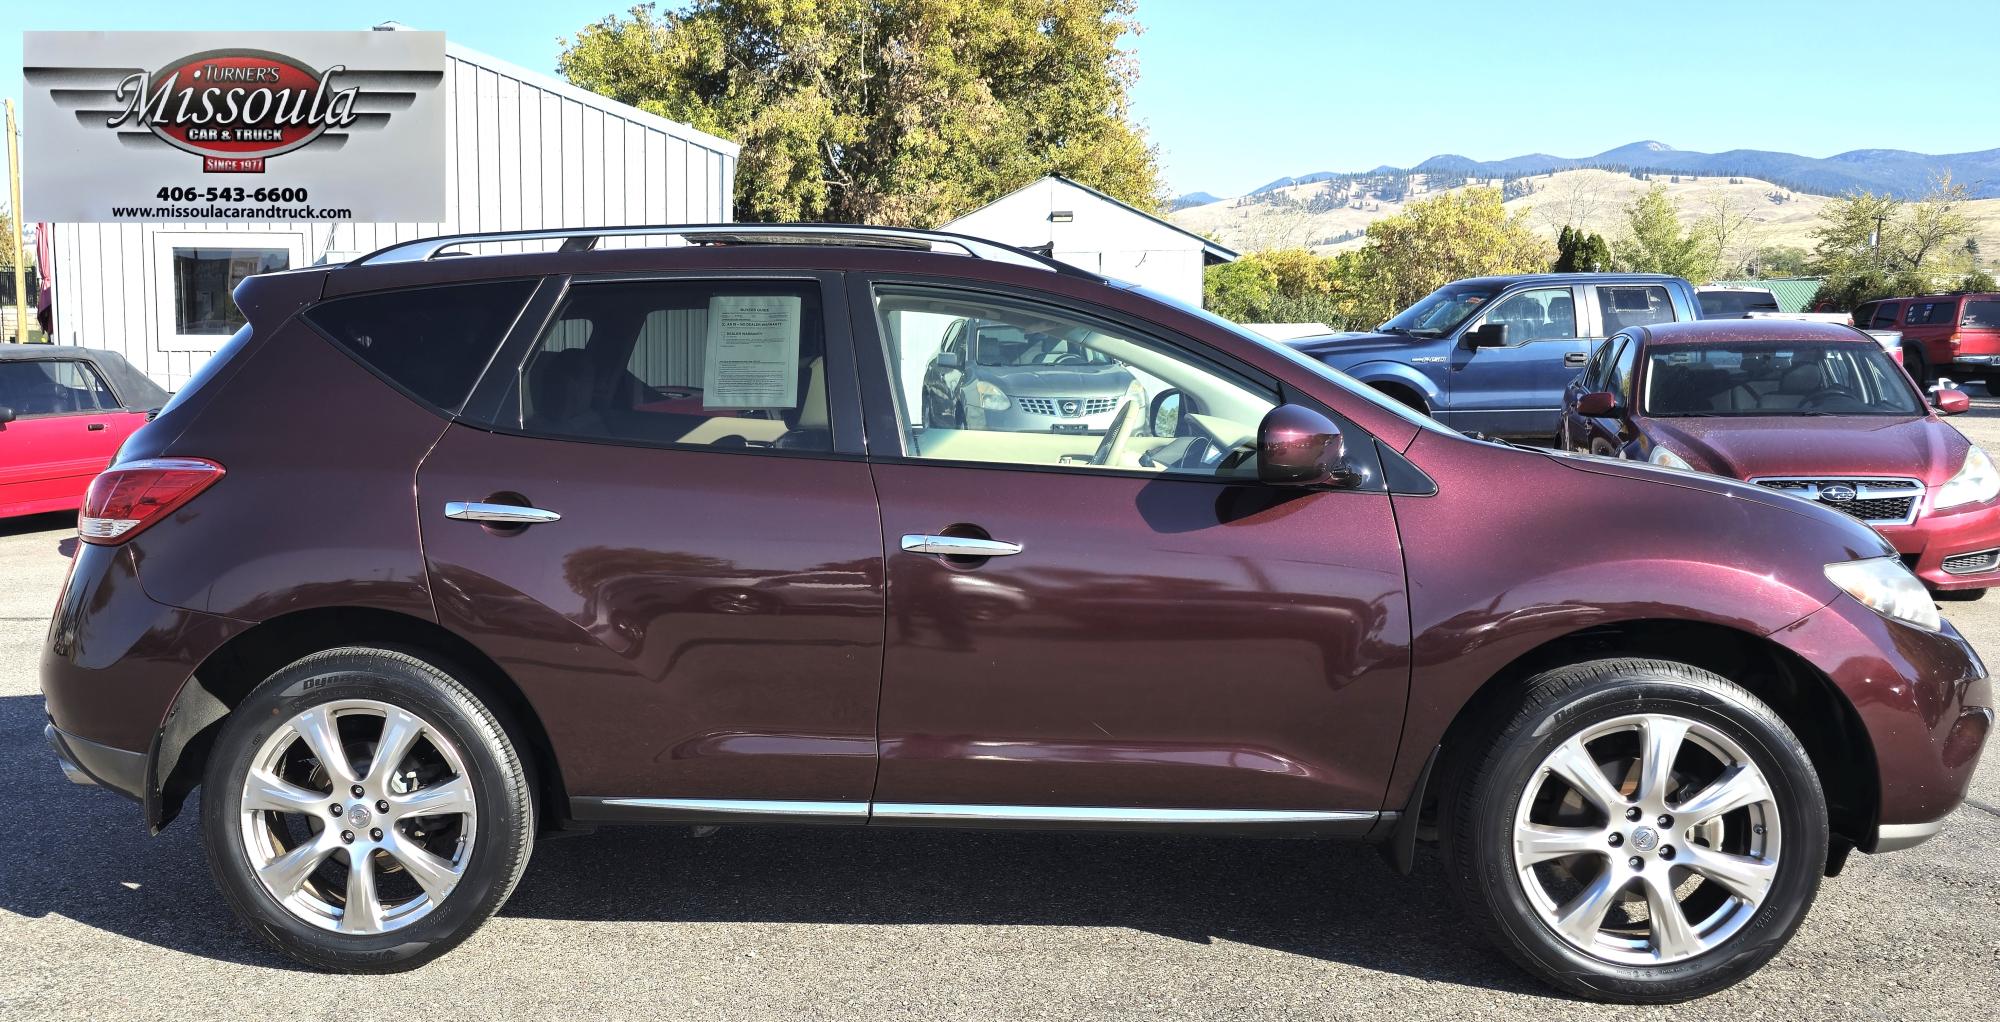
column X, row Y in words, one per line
column 1493, row 354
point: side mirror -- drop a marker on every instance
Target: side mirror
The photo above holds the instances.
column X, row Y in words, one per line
column 1487, row 335
column 950, row 360
column 1948, row 402
column 1164, row 418
column 6, row 414
column 1297, row 446
column 1598, row 404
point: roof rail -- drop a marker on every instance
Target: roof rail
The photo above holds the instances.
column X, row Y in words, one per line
column 584, row 239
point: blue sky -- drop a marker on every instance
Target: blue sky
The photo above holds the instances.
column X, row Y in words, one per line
column 1236, row 92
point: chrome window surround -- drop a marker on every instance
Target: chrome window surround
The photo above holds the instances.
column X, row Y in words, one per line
column 1870, row 488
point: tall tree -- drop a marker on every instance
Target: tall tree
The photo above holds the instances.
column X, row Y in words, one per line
column 1655, row 243
column 1466, row 233
column 1873, row 246
column 903, row 112
column 1581, row 251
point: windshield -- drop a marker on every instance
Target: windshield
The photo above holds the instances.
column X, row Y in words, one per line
column 1776, row 379
column 1441, row 311
column 1001, row 344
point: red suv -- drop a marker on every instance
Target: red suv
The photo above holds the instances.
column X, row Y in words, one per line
column 1816, row 410
column 1952, row 335
column 442, row 553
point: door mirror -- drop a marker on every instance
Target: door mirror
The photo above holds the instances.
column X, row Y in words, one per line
column 1948, row 402
column 1598, row 404
column 950, row 360
column 1297, row 446
column 6, row 414
column 1487, row 335
column 1164, row 418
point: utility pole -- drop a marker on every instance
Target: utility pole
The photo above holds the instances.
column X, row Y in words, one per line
column 14, row 205
column 1875, row 237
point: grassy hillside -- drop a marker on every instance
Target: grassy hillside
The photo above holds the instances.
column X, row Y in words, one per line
column 1320, row 217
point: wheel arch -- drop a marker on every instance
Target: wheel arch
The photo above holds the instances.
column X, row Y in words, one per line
column 1399, row 381
column 1822, row 717
column 180, row 752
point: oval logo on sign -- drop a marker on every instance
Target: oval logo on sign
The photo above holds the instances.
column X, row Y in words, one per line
column 1837, row 494
column 236, row 104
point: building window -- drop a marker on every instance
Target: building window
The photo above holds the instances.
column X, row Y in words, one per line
column 203, row 279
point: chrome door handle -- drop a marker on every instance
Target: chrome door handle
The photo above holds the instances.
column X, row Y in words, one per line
column 503, row 514
column 1575, row 359
column 959, row 546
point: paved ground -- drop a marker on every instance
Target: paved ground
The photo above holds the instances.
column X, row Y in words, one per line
column 97, row 920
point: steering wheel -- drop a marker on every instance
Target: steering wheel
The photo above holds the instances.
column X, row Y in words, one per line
column 1123, row 425
column 1071, row 359
column 1825, row 395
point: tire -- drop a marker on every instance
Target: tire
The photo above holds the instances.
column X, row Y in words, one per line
column 1917, row 365
column 1780, row 840
column 460, row 763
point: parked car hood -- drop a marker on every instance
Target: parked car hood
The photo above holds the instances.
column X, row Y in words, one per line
column 1865, row 445
column 1043, row 380
column 1355, row 346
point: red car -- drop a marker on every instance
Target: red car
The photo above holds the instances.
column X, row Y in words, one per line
column 1813, row 409
column 1954, row 335
column 63, row 414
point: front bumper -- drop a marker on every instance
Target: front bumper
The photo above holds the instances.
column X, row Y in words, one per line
column 1924, row 700
column 1933, row 539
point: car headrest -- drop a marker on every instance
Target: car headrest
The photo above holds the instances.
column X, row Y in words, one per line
column 1801, row 379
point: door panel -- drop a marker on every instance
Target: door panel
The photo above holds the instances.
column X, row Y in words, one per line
column 1517, row 389
column 1157, row 643
column 697, row 624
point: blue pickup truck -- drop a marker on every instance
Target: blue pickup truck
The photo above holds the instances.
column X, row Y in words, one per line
column 1493, row 354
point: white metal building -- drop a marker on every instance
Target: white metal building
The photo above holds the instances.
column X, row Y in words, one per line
column 1089, row 229
column 522, row 150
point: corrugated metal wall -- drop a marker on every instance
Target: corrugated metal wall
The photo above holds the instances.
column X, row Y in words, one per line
column 522, row 151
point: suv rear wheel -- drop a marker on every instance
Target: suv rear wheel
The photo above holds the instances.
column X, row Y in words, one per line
column 363, row 811
column 1637, row 830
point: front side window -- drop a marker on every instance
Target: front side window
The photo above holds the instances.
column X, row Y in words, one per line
column 204, row 280
column 1981, row 314
column 1542, row 313
column 55, row 387
column 1885, row 316
column 1776, row 379
column 1620, row 382
column 1630, row 305
column 431, row 341
column 1050, row 387
column 719, row 364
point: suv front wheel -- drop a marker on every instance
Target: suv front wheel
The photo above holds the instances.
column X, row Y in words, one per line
column 1637, row 830
column 363, row 811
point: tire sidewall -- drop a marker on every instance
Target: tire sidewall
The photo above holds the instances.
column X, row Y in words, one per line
column 502, row 828
column 1769, row 745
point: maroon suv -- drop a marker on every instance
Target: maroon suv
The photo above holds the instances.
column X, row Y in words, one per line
column 442, row 553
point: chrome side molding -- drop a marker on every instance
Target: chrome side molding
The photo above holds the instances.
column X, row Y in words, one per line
column 1112, row 814
column 730, row 810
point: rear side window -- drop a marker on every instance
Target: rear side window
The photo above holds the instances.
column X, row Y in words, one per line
column 1925, row 313
column 727, row 365
column 1634, row 305
column 430, row 341
column 52, row 387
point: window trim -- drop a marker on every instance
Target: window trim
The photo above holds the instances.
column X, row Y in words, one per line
column 484, row 409
column 117, row 407
column 885, row 432
column 293, row 243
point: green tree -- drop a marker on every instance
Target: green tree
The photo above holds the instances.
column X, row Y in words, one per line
column 1873, row 246
column 1580, row 251
column 1781, row 261
column 6, row 238
column 1654, row 241
column 1280, row 286
column 901, row 112
column 1466, row 233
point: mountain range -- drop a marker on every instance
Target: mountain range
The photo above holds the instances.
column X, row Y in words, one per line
column 1896, row 172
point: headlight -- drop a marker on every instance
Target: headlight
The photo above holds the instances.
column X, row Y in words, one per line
column 1668, row 459
column 991, row 398
column 1888, row 589
column 1976, row 482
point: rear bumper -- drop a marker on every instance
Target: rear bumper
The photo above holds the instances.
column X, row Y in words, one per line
column 87, row 762
column 1934, row 538
column 1924, row 700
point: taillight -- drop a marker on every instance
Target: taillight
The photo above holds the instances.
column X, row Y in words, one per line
column 125, row 499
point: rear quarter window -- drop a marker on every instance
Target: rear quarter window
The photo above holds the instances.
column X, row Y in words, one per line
column 1981, row 314
column 431, row 341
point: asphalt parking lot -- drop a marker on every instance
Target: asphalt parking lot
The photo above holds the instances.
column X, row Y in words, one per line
column 98, row 920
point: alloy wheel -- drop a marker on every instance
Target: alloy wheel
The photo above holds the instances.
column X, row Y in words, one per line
column 1647, row 839
column 358, row 816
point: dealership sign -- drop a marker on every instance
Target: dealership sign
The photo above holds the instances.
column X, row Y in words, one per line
column 194, row 126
